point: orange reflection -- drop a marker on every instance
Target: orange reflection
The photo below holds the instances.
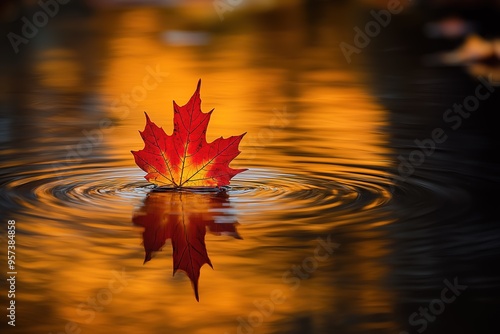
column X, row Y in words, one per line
column 183, row 217
column 60, row 70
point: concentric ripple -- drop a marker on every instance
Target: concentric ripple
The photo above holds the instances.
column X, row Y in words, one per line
column 304, row 194
column 73, row 191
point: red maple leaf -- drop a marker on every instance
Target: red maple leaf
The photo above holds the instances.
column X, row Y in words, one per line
column 184, row 218
column 185, row 159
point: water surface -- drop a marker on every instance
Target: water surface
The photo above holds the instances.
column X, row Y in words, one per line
column 322, row 152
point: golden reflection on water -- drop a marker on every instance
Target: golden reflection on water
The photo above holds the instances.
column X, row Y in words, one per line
column 58, row 70
column 70, row 256
column 344, row 121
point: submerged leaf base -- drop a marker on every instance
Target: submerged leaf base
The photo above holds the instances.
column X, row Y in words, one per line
column 200, row 190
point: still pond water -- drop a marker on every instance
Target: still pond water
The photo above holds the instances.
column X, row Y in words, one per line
column 331, row 233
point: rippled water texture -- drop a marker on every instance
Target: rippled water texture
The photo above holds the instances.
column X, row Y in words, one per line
column 336, row 235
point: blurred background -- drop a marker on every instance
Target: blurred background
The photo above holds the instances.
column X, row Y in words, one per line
column 371, row 124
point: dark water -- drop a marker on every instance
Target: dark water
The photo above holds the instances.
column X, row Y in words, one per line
column 338, row 234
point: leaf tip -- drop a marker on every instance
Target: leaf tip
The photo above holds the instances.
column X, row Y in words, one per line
column 198, row 87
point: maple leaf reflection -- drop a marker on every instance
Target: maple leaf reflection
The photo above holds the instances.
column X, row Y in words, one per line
column 184, row 217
